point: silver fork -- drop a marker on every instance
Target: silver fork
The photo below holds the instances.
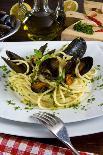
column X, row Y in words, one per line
column 56, row 126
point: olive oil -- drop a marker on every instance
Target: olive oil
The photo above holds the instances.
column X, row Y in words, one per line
column 41, row 23
column 41, row 26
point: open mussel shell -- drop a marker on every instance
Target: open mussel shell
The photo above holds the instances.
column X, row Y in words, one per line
column 4, row 30
column 13, row 56
column 22, row 68
column 16, row 68
column 2, row 17
column 43, row 48
column 70, row 66
column 52, row 65
column 10, row 23
column 86, row 64
column 39, row 87
column 76, row 48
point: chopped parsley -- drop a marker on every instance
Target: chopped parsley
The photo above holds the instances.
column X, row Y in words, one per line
column 100, row 104
column 59, row 79
column 28, row 108
column 83, row 27
column 17, row 107
column 37, row 54
column 10, row 102
column 4, row 68
column 91, row 100
column 96, row 78
column 46, row 56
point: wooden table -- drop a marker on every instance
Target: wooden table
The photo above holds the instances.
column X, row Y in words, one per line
column 90, row 143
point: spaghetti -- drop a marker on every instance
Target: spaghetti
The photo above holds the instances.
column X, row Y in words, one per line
column 58, row 92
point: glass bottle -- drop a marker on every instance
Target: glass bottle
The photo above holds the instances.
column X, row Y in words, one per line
column 41, row 23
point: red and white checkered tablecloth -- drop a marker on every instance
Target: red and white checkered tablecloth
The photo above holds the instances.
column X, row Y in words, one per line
column 13, row 145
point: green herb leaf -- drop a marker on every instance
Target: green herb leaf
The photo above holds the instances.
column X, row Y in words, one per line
column 4, row 68
column 10, row 102
column 83, row 27
column 60, row 79
column 46, row 57
column 37, row 54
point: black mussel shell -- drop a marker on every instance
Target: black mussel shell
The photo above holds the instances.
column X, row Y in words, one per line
column 70, row 66
column 13, row 56
column 17, row 68
column 51, row 64
column 76, row 48
column 10, row 21
column 86, row 64
column 43, row 48
column 47, row 74
column 4, row 30
column 2, row 17
column 13, row 65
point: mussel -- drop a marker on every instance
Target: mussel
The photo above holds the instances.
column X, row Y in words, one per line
column 4, row 30
column 13, row 65
column 43, row 48
column 7, row 24
column 85, row 65
column 50, row 68
column 7, row 20
column 76, row 48
column 39, row 87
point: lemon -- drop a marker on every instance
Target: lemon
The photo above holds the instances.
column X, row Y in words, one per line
column 70, row 5
column 20, row 11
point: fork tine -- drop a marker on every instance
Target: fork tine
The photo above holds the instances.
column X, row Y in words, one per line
column 42, row 118
column 55, row 127
column 50, row 119
column 55, row 118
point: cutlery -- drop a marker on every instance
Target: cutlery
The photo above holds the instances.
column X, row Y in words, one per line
column 56, row 126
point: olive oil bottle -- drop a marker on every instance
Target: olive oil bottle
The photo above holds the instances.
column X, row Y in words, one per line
column 41, row 23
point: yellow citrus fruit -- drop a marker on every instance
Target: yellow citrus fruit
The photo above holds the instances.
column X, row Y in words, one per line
column 20, row 11
column 70, row 5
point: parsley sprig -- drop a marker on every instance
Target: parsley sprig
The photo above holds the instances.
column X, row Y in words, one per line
column 83, row 27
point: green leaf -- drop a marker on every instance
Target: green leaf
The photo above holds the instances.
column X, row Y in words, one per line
column 37, row 54
column 4, row 68
column 46, row 57
column 83, row 27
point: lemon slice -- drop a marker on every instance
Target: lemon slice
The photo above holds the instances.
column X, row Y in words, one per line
column 70, row 5
column 20, row 11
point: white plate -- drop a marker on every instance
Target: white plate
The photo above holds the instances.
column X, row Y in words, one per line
column 33, row 130
column 67, row 115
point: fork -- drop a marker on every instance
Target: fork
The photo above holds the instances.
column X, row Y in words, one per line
column 56, row 126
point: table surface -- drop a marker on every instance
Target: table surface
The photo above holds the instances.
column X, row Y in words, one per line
column 90, row 143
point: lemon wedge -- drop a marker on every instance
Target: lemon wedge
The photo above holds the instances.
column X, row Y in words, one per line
column 20, row 11
column 70, row 5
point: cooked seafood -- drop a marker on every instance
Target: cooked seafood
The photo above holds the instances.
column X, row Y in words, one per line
column 52, row 80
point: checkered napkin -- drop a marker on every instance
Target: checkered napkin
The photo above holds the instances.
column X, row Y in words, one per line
column 12, row 145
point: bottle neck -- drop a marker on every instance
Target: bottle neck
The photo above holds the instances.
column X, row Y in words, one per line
column 41, row 5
